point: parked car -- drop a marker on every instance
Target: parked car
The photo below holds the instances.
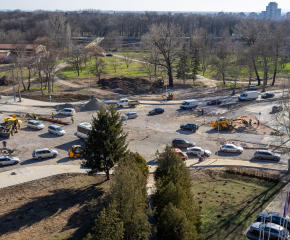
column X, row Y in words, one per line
column 67, row 111
column 268, row 95
column 6, row 160
column 156, row 111
column 198, row 150
column 57, row 130
column 109, row 55
column 182, row 142
column 251, row 95
column 274, row 230
column 214, row 102
column 277, row 108
column 231, row 148
column 266, row 154
column 190, row 126
column 187, row 104
column 35, row 124
column 253, row 87
column 44, row 153
column 180, row 153
column 275, row 217
column 129, row 115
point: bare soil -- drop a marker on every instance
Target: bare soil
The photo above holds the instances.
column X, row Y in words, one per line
column 53, row 206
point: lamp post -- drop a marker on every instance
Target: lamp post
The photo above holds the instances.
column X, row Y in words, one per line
column 90, row 83
column 217, row 146
column 13, row 84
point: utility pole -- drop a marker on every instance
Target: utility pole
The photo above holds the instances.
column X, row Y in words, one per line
column 13, row 85
column 217, row 147
column 90, row 83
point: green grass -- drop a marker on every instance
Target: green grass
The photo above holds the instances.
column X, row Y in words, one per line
column 62, row 60
column 198, row 84
column 97, row 86
column 228, row 85
column 230, row 203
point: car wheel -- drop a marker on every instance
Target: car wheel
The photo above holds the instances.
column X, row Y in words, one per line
column 225, row 151
column 276, row 159
column 54, row 155
column 0, row 164
column 192, row 130
column 15, row 163
column 260, row 158
column 39, row 158
column 240, row 152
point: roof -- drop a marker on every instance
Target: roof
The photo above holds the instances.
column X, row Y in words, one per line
column 28, row 47
column 41, row 149
column 53, row 125
column 85, row 125
column 33, row 121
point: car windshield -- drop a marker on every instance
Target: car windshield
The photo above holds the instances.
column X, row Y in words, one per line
column 58, row 129
column 213, row 100
column 37, row 123
column 243, row 95
column 272, row 153
column 234, row 146
column 186, row 141
column 184, row 103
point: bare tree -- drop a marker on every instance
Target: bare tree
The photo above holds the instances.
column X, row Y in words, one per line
column 128, row 59
column 76, row 59
column 115, row 64
column 149, row 69
column 167, row 38
column 99, row 68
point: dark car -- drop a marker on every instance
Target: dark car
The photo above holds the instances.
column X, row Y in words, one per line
column 214, row 102
column 182, row 143
column 109, row 55
column 268, row 95
column 156, row 111
column 190, row 126
column 275, row 217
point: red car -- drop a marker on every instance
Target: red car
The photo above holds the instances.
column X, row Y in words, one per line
column 214, row 102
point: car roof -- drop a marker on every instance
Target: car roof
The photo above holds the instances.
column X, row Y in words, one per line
column 3, row 156
column 131, row 112
column 34, row 121
column 179, row 139
column 41, row 149
column 67, row 109
column 229, row 144
column 274, row 226
column 53, row 125
column 263, row 151
column 191, row 123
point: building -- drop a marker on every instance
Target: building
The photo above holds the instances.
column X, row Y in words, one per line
column 287, row 15
column 253, row 15
column 272, row 11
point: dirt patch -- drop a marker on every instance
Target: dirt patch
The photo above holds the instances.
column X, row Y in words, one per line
column 58, row 97
column 94, row 105
column 6, row 81
column 50, row 206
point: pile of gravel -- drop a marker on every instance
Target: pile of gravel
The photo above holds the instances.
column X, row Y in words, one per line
column 94, row 105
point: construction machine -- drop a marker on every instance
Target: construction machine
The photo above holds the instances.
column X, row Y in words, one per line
column 159, row 82
column 169, row 96
column 225, row 124
column 11, row 125
column 75, row 151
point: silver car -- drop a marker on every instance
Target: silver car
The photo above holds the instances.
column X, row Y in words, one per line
column 197, row 151
column 231, row 148
column 129, row 115
column 274, row 230
column 44, row 153
column 6, row 160
column 265, row 154
column 67, row 111
column 57, row 130
column 35, row 124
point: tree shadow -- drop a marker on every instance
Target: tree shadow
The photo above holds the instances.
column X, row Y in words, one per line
column 68, row 145
column 48, row 135
column 43, row 207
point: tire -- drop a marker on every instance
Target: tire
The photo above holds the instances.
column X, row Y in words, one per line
column 15, row 163
column 0, row 164
column 39, row 158
column 225, row 151
column 239, row 152
column 260, row 158
column 276, row 159
column 54, row 155
column 192, row 130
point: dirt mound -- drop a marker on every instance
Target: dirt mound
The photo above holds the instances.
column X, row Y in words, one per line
column 124, row 82
column 94, row 105
column 6, row 81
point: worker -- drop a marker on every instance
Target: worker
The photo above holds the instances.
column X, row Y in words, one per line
column 34, row 116
column 258, row 123
column 4, row 144
column 72, row 120
column 202, row 111
column 52, row 115
column 250, row 121
column 157, row 153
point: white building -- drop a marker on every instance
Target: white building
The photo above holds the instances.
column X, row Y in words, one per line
column 272, row 11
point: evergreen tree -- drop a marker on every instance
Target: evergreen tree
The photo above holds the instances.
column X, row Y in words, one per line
column 195, row 64
column 183, row 65
column 106, row 143
column 108, row 225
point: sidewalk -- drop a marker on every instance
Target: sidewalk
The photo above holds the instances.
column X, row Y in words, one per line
column 28, row 174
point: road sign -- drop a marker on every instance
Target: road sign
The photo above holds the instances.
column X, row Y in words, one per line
column 233, row 113
column 49, row 96
column 260, row 113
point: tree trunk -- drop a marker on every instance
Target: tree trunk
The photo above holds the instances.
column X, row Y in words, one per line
column 29, row 75
column 256, row 71
column 170, row 77
column 275, row 69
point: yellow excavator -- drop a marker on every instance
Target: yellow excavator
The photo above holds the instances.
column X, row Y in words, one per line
column 75, row 151
column 226, row 124
column 159, row 82
column 10, row 126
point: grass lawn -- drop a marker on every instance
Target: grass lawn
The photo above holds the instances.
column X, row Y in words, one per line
column 228, row 85
column 230, row 203
column 198, row 84
column 56, row 207
column 33, row 89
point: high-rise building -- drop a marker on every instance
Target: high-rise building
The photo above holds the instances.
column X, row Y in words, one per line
column 272, row 11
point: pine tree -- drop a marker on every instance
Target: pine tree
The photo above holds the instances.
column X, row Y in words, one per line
column 106, row 143
column 183, row 65
column 108, row 225
column 195, row 64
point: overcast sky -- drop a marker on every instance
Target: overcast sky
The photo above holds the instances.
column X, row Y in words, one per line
column 145, row 5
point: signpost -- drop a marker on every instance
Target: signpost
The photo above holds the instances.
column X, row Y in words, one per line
column 89, row 83
column 50, row 99
column 233, row 113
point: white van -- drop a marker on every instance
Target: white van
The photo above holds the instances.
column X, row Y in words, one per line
column 248, row 96
column 189, row 104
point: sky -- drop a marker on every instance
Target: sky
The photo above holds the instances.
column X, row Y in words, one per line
column 147, row 5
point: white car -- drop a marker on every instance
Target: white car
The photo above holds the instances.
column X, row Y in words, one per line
column 231, row 148
column 197, row 151
column 57, row 130
column 67, row 111
column 6, row 160
column 35, row 124
column 44, row 153
column 253, row 87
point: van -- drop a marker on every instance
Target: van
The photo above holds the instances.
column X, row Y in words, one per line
column 44, row 153
column 248, row 96
column 187, row 104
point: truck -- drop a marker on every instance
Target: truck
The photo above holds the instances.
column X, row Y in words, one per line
column 125, row 102
column 252, row 95
column 187, row 104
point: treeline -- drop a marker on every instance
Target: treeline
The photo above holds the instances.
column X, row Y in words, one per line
column 27, row 26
